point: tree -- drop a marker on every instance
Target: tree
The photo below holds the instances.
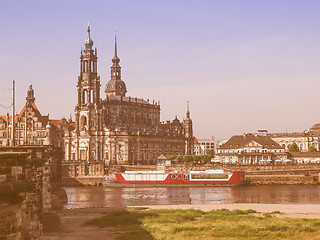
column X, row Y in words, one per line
column 294, row 147
column 210, row 152
column 171, row 157
column 205, row 158
column 312, row 149
column 179, row 157
column 187, row 158
column 197, row 158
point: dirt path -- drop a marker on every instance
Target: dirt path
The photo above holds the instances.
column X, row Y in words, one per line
column 73, row 229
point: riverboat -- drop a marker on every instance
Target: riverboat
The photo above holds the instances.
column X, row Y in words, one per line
column 167, row 179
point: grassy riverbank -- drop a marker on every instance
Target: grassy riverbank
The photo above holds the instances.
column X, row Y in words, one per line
column 198, row 224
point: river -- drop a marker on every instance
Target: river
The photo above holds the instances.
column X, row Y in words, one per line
column 89, row 196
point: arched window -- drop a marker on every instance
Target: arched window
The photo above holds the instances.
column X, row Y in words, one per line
column 83, row 122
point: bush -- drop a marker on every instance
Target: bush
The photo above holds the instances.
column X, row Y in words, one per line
column 294, row 147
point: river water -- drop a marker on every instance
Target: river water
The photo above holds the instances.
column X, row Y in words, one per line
column 85, row 196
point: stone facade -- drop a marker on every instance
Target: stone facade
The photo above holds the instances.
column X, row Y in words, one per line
column 118, row 129
column 33, row 128
column 304, row 140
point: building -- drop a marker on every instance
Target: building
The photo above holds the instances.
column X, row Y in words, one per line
column 118, row 129
column 251, row 149
column 201, row 146
column 304, row 140
column 33, row 128
column 304, row 157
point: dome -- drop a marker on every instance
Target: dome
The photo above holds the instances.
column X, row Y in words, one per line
column 88, row 42
column 116, row 87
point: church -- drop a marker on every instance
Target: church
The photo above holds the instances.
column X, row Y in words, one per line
column 117, row 129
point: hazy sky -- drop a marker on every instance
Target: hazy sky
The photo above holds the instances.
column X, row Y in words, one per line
column 243, row 65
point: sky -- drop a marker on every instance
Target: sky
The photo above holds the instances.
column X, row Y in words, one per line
column 243, row 65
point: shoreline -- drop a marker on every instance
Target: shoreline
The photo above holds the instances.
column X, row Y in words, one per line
column 73, row 228
column 294, row 210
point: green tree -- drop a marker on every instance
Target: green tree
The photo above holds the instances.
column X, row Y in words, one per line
column 312, row 149
column 197, row 158
column 205, row 158
column 187, row 158
column 171, row 157
column 211, row 152
column 179, row 157
column 294, row 147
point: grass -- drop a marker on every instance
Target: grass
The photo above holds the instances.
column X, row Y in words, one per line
column 196, row 224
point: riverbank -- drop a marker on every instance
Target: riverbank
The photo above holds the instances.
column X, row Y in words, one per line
column 187, row 221
column 287, row 210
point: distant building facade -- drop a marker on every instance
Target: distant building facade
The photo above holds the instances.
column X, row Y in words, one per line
column 33, row 128
column 201, row 146
column 118, row 129
column 304, row 140
column 272, row 148
column 304, row 157
column 250, row 149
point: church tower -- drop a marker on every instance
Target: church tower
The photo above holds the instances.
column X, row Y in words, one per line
column 115, row 86
column 88, row 106
column 30, row 95
column 188, row 131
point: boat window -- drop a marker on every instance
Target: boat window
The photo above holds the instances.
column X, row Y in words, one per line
column 209, row 176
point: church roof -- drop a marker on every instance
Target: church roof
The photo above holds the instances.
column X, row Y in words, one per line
column 127, row 99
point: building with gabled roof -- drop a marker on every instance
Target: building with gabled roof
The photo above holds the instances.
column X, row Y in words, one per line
column 33, row 128
column 251, row 149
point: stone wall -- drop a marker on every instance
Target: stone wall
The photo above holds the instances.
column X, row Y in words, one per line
column 29, row 175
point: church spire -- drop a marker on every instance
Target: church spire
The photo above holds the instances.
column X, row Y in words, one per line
column 188, row 112
column 116, row 86
column 30, row 95
column 88, row 42
column 188, row 132
column 115, row 43
column 115, row 59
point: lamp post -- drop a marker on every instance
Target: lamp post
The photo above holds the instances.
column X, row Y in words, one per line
column 12, row 120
